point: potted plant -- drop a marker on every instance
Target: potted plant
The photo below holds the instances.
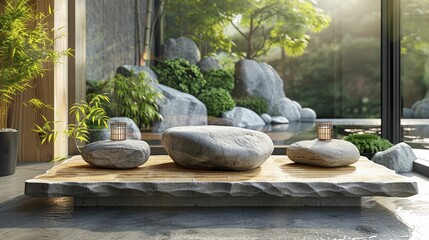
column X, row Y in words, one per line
column 368, row 144
column 25, row 48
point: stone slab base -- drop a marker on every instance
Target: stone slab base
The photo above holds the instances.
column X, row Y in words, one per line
column 163, row 201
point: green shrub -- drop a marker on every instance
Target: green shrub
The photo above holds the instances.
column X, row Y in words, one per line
column 256, row 104
column 181, row 75
column 134, row 97
column 368, row 143
column 217, row 101
column 219, row 78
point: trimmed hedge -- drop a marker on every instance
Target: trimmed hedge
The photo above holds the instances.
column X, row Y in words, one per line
column 368, row 143
column 256, row 104
column 217, row 101
column 218, row 78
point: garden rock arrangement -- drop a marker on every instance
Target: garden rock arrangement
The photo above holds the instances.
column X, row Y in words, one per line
column 332, row 153
column 399, row 158
column 179, row 109
column 420, row 109
column 217, row 147
column 133, row 132
column 258, row 80
column 208, row 63
column 126, row 70
column 116, row 154
column 181, row 47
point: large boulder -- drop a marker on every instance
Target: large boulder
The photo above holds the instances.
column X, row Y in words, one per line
column 258, row 80
column 333, row 153
column 421, row 108
column 126, row 70
column 116, row 154
column 133, row 132
column 208, row 63
column 286, row 108
column 179, row 109
column 243, row 117
column 181, row 47
column 399, row 158
column 217, row 147
column 267, row 118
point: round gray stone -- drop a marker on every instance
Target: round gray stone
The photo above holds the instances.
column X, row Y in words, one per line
column 217, row 147
column 279, row 120
column 308, row 114
column 116, row 154
column 333, row 153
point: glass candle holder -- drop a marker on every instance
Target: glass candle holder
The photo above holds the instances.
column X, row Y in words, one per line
column 118, row 131
column 324, row 131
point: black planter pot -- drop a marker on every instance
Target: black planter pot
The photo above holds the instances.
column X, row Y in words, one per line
column 8, row 152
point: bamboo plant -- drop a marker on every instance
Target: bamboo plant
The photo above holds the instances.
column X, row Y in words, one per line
column 26, row 46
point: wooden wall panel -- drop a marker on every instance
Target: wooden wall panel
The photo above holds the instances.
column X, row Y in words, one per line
column 50, row 90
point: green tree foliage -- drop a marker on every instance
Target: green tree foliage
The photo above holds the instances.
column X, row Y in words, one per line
column 219, row 78
column 217, row 101
column 25, row 47
column 339, row 74
column 256, row 104
column 368, row 143
column 134, row 97
column 261, row 24
column 181, row 75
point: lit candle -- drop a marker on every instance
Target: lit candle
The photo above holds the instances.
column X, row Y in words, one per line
column 324, row 131
column 118, row 131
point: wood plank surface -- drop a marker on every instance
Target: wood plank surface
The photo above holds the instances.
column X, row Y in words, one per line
column 276, row 169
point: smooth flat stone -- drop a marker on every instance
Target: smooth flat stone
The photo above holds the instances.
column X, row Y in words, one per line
column 116, row 154
column 332, row 153
column 217, row 147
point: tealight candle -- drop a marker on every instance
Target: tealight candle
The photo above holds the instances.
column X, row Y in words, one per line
column 324, row 131
column 118, row 131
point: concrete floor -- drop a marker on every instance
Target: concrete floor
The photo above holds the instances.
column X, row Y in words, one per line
column 22, row 217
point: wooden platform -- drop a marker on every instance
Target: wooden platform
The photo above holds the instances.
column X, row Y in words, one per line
column 278, row 178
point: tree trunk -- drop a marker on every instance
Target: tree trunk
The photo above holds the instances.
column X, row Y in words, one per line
column 138, row 41
column 249, row 52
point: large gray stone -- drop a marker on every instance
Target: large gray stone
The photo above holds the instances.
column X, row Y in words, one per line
column 133, row 132
column 181, row 47
column 259, row 80
column 217, row 147
column 126, row 70
column 399, row 158
column 286, row 108
column 179, row 109
column 333, row 153
column 407, row 113
column 116, row 154
column 421, row 108
column 208, row 63
column 308, row 114
column 243, row 117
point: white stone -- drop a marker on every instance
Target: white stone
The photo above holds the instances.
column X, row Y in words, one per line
column 399, row 158
column 332, row 153
column 116, row 154
column 217, row 147
column 279, row 120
